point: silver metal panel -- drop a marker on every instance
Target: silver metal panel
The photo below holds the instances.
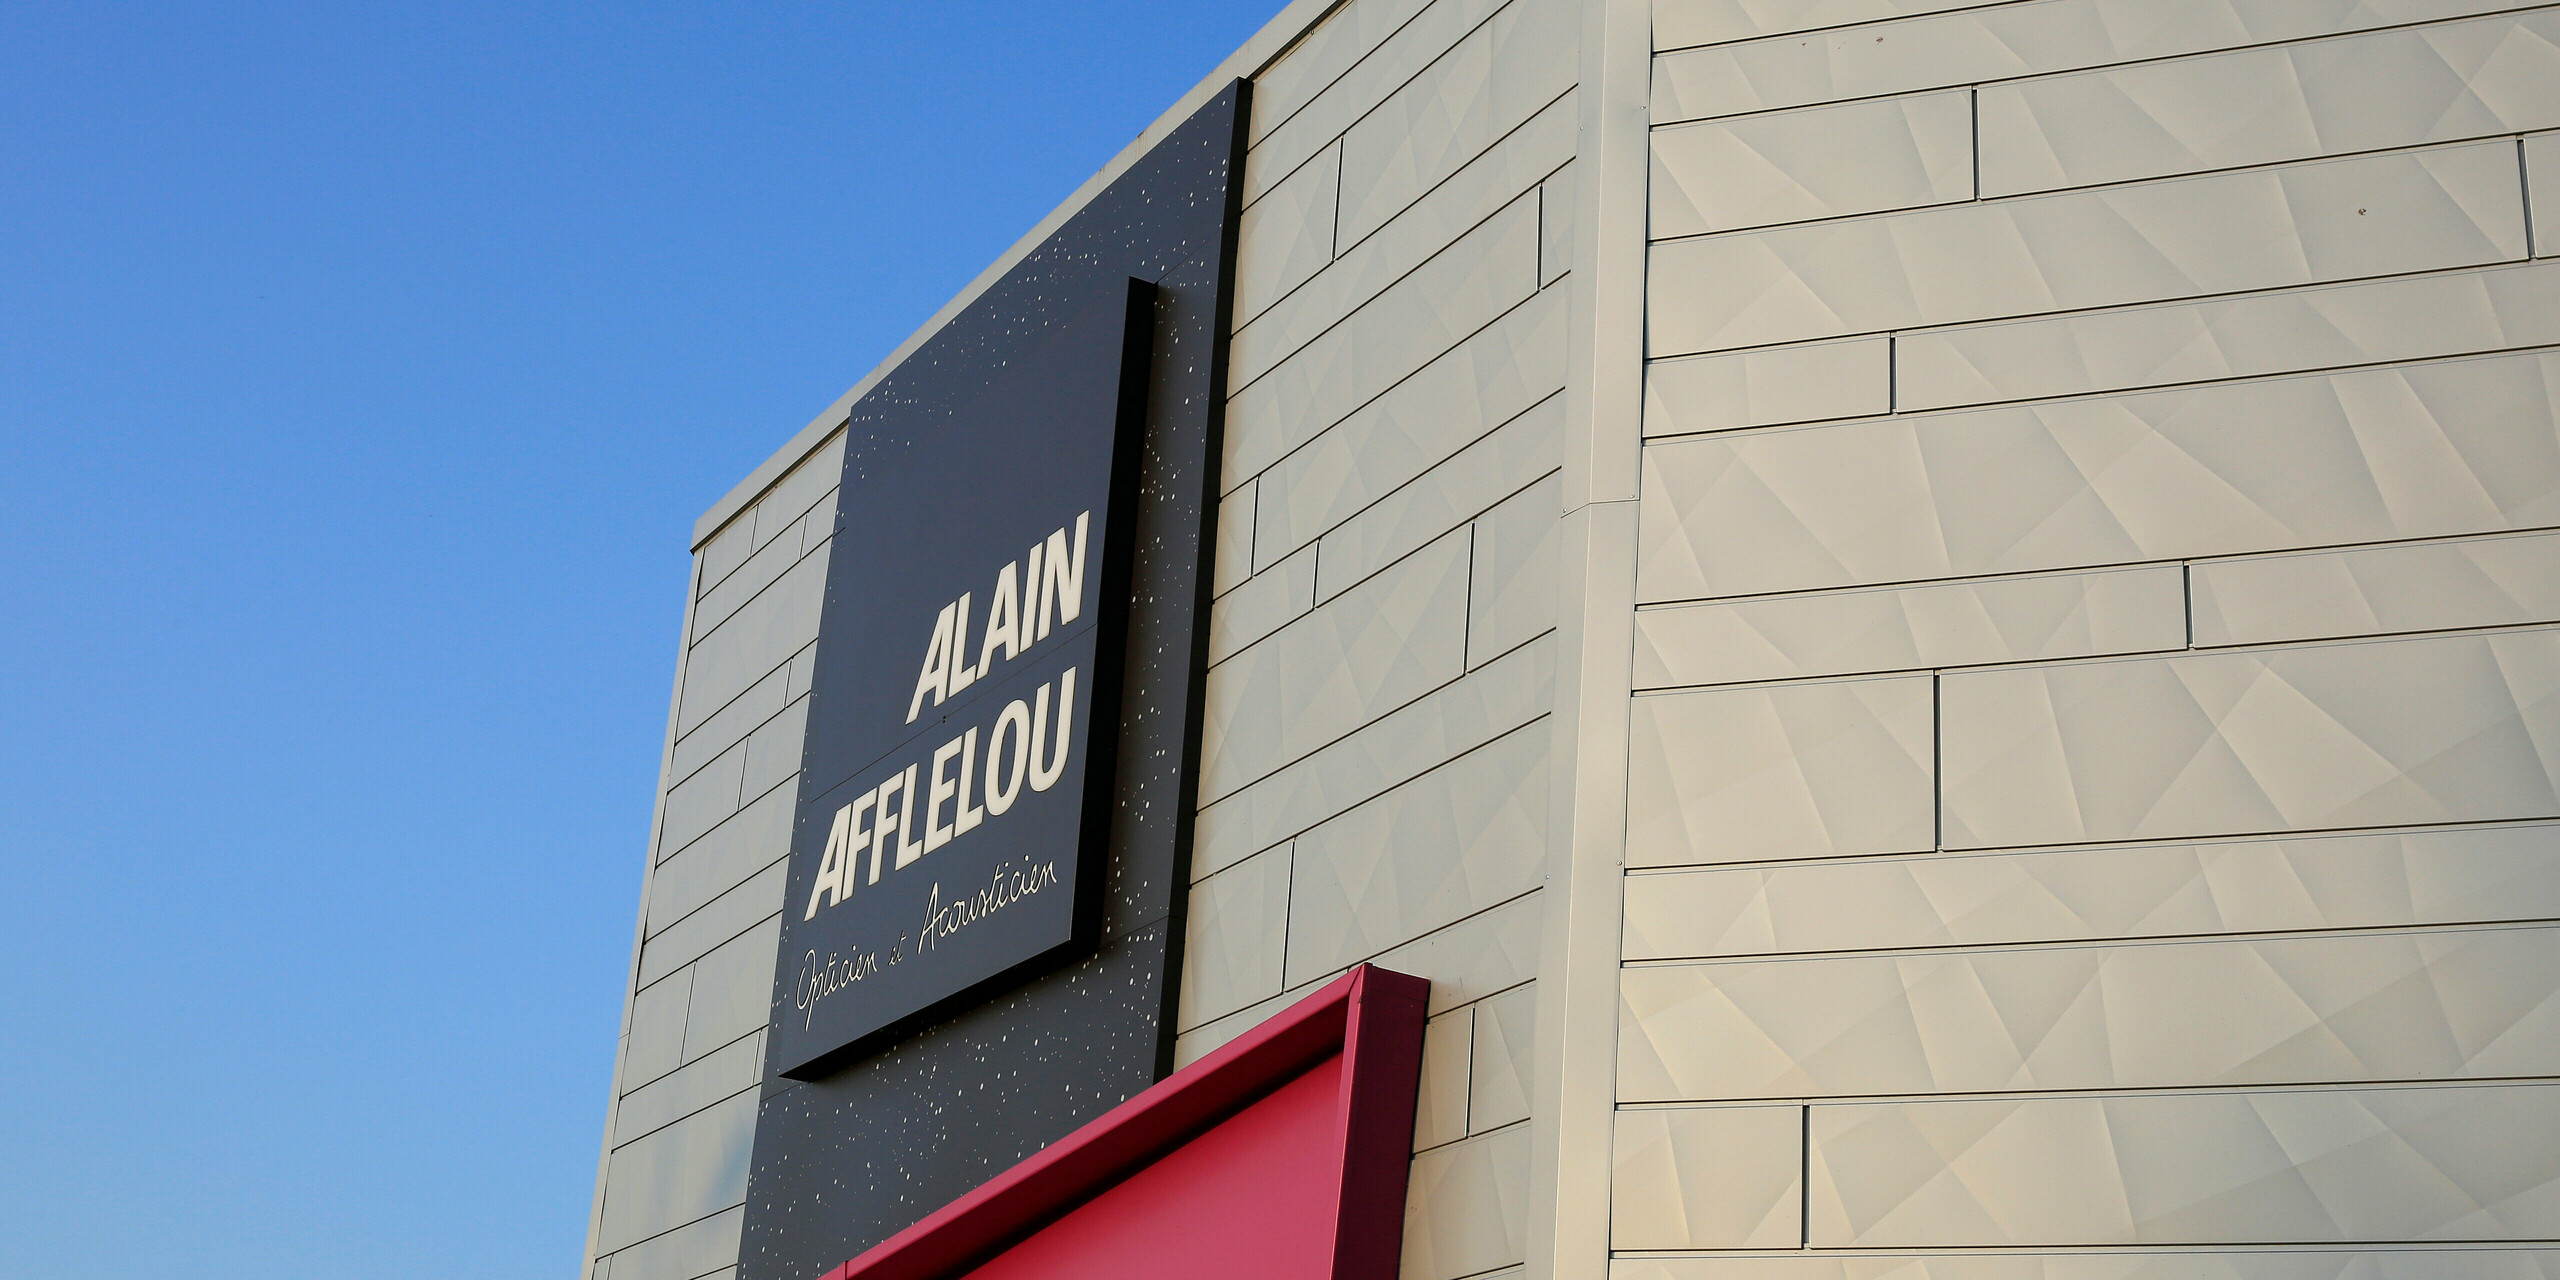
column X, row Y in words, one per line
column 1440, row 1112
column 759, row 637
column 2369, row 456
column 731, row 724
column 656, row 1031
column 2472, row 1163
column 732, row 992
column 752, row 839
column 2386, row 89
column 2448, row 729
column 1456, row 718
column 1851, row 378
column 1783, row 771
column 807, row 483
column 2425, row 586
column 773, row 751
column 1828, row 162
column 1459, row 839
column 725, row 917
column 1287, row 139
column 1469, row 483
column 685, row 1172
column 1708, row 1178
column 2258, row 229
column 1505, row 1063
column 1484, row 274
column 2362, row 1263
column 1464, row 1211
column 1364, row 653
column 1512, row 598
column 715, row 1076
column 727, row 549
column 1286, row 236
column 2338, row 325
column 2473, row 1003
column 1320, row 55
column 1998, row 43
column 1481, row 89
column 687, row 1253
column 755, row 575
column 1232, row 562
column 1491, row 378
column 1950, row 625
column 1509, row 171
column 1262, row 604
column 1680, row 24
column 1236, row 934
column 702, row 801
column 2454, row 875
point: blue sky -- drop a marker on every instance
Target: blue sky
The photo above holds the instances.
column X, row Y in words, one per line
column 362, row 371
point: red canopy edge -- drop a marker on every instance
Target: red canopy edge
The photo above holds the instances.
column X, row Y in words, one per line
column 1372, row 1016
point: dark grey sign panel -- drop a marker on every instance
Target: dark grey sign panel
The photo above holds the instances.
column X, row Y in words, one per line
column 956, row 779
column 868, row 1140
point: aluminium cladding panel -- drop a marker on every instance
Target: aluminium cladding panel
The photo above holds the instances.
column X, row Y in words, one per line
column 844, row 1161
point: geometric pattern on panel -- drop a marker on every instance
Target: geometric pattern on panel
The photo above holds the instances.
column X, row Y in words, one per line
column 2456, row 206
column 2257, row 106
column 2430, row 586
column 2473, row 875
column 2309, row 1010
column 1823, row 163
column 2432, row 450
column 2441, row 729
column 2413, row 1164
column 1708, row 1178
column 2330, row 1263
column 1783, row 771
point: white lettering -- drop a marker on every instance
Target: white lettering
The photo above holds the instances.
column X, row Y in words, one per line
column 970, row 814
column 936, row 676
column 1044, row 774
column 1016, row 722
column 1004, row 622
column 1061, row 582
column 962, row 674
column 940, row 790
column 884, row 821
column 910, row 844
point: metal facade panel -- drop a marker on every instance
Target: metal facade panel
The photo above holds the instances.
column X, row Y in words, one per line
column 1708, row 1178
column 1827, row 162
column 1781, row 771
column 2428, row 586
column 1769, row 386
column 2440, row 729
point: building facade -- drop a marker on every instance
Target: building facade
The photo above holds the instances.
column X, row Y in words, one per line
column 1937, row 623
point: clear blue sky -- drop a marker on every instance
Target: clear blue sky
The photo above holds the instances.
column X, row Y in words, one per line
column 362, row 371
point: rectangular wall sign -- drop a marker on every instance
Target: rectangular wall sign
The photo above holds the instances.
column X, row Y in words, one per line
column 955, row 800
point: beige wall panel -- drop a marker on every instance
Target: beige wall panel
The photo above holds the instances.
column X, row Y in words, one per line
column 721, row 919
column 1490, row 182
column 1505, row 1062
column 714, row 1077
column 1438, row 849
column 1448, row 722
column 732, row 991
column 2257, row 229
column 2367, row 456
column 1679, row 24
column 1768, row 387
column 1513, row 596
column 1953, row 625
column 695, row 1250
column 2376, row 323
column 656, row 1031
column 2449, row 729
column 1708, row 1178
column 2267, row 1264
column 1232, row 562
column 1346, row 37
column 2399, row 88
column 1783, row 771
column 1469, row 483
column 1829, row 162
column 752, row 838
column 1998, row 43
column 1235, row 936
column 1440, row 1110
column 1290, row 138
column 761, row 635
column 2472, row 1163
column 2425, row 587
column 1261, row 605
column 1466, row 1209
column 2542, row 165
column 1482, row 89
column 2456, row 875
column 1484, row 274
column 1489, row 380
column 1556, row 197
column 1286, row 237
column 1365, row 653
column 2475, row 1003
column 731, row 724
